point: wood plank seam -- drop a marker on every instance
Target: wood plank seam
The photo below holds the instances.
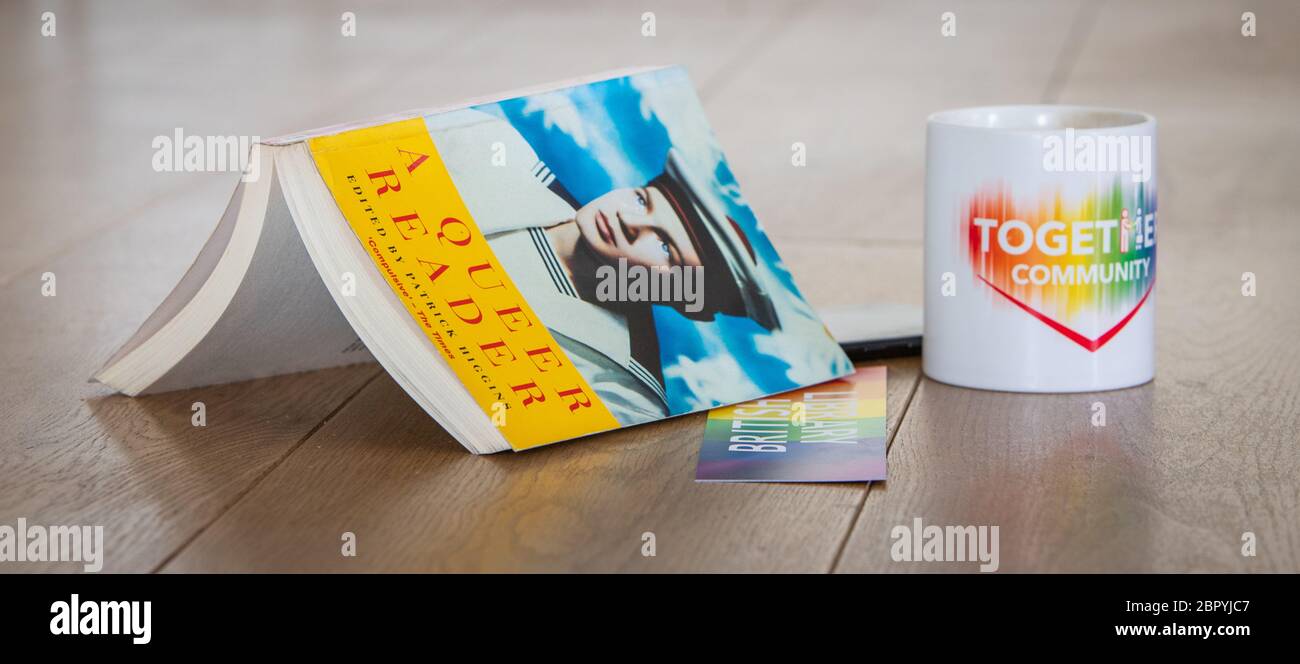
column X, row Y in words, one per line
column 264, row 473
column 862, row 502
column 1081, row 29
column 744, row 54
column 738, row 61
column 135, row 211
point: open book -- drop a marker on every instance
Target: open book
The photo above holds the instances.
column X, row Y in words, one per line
column 565, row 261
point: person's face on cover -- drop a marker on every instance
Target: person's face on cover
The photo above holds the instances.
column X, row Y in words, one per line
column 638, row 224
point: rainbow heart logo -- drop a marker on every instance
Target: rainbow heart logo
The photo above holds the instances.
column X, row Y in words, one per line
column 1083, row 266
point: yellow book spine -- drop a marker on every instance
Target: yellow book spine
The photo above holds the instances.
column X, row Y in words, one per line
column 399, row 199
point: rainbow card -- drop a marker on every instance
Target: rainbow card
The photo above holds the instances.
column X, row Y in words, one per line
column 831, row 432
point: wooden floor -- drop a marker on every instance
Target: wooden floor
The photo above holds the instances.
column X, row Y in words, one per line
column 1187, row 464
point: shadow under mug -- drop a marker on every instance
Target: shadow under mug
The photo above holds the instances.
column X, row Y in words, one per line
column 1040, row 248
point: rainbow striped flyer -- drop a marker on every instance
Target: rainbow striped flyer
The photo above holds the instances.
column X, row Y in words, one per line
column 830, row 432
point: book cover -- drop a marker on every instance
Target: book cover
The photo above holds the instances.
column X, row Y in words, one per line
column 582, row 258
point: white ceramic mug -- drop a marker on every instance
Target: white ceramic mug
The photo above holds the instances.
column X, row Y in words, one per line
column 1040, row 232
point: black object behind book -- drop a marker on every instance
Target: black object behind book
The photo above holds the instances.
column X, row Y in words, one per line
column 873, row 332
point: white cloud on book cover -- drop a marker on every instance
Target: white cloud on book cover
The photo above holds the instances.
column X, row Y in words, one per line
column 718, row 375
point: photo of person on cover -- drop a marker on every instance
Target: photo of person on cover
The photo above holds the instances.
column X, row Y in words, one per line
column 574, row 197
